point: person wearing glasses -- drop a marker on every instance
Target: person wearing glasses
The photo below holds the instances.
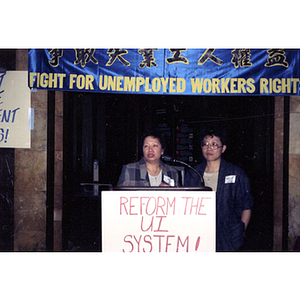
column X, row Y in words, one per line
column 233, row 198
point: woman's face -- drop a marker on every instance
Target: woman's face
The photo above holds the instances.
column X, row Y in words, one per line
column 152, row 149
column 213, row 148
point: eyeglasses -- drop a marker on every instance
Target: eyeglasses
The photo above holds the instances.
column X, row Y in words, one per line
column 213, row 145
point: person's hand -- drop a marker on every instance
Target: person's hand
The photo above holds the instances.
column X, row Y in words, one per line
column 163, row 184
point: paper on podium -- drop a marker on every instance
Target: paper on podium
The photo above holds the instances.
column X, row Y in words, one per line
column 158, row 221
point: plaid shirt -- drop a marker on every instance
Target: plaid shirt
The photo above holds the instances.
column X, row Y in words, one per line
column 135, row 174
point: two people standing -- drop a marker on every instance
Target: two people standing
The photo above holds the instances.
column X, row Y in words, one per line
column 232, row 186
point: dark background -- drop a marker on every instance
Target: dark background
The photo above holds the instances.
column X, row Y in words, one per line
column 107, row 127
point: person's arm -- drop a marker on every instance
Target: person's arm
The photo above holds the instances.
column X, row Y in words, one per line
column 191, row 178
column 246, row 215
column 248, row 201
column 164, row 184
column 123, row 179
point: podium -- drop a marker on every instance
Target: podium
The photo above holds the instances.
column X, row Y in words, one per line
column 153, row 220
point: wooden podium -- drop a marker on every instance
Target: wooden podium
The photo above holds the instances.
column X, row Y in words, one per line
column 158, row 220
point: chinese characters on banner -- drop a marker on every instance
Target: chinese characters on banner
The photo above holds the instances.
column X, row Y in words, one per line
column 167, row 71
column 14, row 110
column 158, row 221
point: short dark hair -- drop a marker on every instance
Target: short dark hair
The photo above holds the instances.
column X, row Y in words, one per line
column 157, row 135
column 213, row 129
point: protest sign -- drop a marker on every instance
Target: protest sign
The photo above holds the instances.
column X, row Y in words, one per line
column 158, row 221
column 173, row 71
column 14, row 110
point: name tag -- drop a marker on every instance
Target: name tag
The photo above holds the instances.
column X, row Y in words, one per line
column 169, row 180
column 230, row 179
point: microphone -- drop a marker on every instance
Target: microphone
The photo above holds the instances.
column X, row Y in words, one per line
column 174, row 160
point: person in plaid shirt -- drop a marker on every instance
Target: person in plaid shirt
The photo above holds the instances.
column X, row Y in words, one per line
column 149, row 170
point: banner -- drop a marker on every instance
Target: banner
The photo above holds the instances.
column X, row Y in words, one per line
column 16, row 116
column 167, row 71
column 158, row 221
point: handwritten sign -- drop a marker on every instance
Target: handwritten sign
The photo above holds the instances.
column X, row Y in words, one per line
column 14, row 110
column 158, row 221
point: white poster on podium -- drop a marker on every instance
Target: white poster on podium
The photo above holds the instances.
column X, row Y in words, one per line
column 158, row 221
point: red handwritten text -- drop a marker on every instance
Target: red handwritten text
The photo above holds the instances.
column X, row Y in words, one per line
column 147, row 205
